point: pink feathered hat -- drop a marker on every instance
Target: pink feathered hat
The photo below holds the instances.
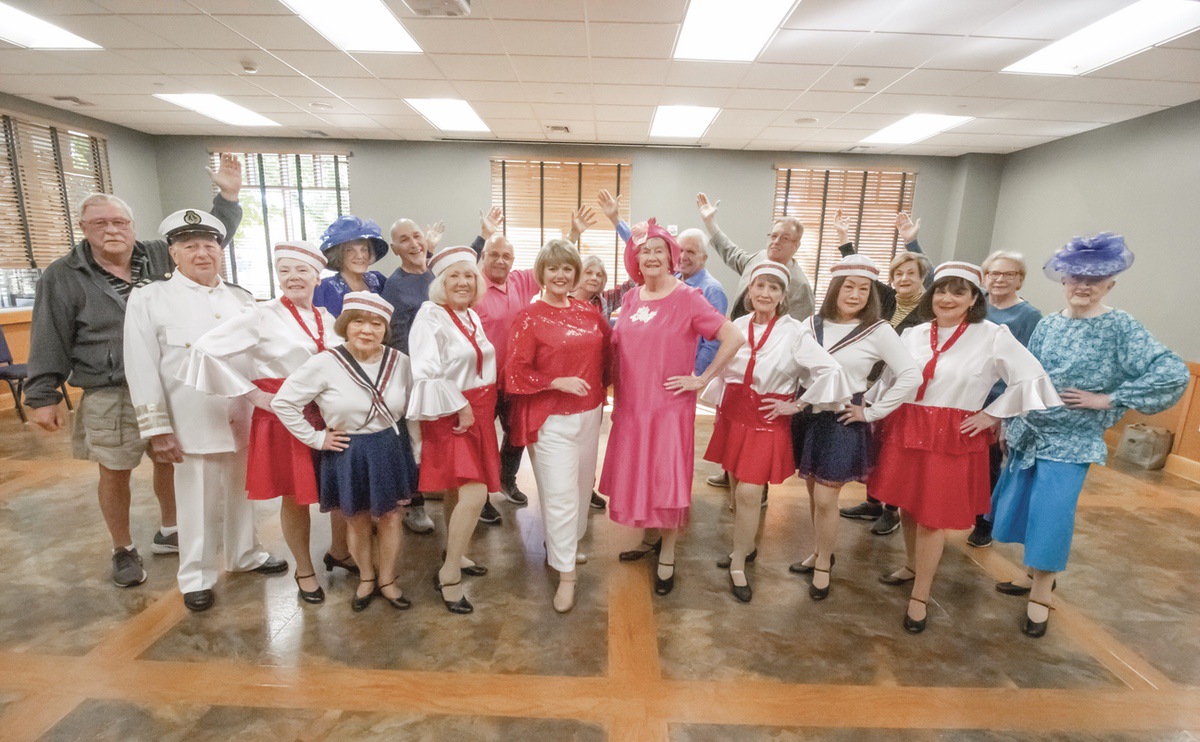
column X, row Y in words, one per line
column 639, row 238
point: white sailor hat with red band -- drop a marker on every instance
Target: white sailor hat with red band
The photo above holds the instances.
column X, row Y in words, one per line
column 448, row 256
column 367, row 302
column 970, row 272
column 301, row 250
column 771, row 268
column 855, row 265
column 186, row 221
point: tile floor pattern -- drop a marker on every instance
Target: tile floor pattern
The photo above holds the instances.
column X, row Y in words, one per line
column 81, row 659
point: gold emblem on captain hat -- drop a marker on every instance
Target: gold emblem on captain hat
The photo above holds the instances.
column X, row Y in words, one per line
column 191, row 217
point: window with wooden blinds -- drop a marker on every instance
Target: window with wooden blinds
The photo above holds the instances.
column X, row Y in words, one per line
column 45, row 172
column 538, row 197
column 868, row 198
column 285, row 196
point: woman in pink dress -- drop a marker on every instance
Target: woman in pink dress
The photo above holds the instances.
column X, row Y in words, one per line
column 651, row 450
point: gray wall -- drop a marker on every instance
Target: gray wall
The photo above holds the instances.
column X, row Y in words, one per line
column 1140, row 179
column 131, row 159
column 428, row 181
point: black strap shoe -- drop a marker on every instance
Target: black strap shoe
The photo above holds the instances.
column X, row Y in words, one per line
column 313, row 596
column 273, row 566
column 462, row 606
column 635, row 554
column 331, row 561
column 661, row 586
column 1035, row 629
column 725, row 561
column 359, row 603
column 912, row 625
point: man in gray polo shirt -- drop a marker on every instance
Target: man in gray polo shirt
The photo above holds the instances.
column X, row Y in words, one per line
column 77, row 336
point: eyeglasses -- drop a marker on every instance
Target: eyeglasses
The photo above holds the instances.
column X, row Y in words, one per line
column 1010, row 275
column 103, row 223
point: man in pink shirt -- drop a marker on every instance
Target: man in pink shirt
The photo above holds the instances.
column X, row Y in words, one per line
column 506, row 293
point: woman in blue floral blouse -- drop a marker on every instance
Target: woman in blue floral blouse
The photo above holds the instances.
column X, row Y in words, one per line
column 1103, row 362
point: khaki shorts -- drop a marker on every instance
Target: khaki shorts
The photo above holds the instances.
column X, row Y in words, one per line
column 106, row 429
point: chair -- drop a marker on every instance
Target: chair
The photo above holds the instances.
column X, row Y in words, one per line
column 14, row 374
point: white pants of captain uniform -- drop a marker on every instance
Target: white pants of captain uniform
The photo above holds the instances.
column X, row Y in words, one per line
column 211, row 488
column 564, row 464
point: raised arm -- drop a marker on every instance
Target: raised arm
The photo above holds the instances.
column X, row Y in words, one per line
column 734, row 256
column 582, row 219
column 227, row 177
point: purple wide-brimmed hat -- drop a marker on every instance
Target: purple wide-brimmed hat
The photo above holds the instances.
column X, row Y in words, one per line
column 349, row 228
column 1098, row 256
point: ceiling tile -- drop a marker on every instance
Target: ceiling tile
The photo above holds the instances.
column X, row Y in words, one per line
column 422, row 88
column 638, row 95
column 841, row 78
column 1038, row 19
column 659, row 11
column 714, row 97
column 581, row 130
column 732, row 123
column 216, row 7
column 795, row 77
column 941, row 17
column 79, row 85
column 175, row 62
column 117, row 32
column 1026, row 127
column 1153, row 64
column 557, row 92
column 191, row 31
column 855, row 120
column 401, row 119
column 322, row 63
column 562, row 69
column 516, row 127
column 572, row 111
column 287, row 87
column 221, row 84
column 983, row 53
column 839, row 15
column 694, row 73
column 764, row 100
column 493, row 91
column 897, row 50
column 631, row 39
column 273, row 32
column 264, row 104
column 811, row 47
column 1002, row 85
column 1109, row 113
column 470, row 67
column 1189, row 41
column 624, row 114
column 376, row 107
column 541, row 37
column 15, row 60
column 618, row 70
column 355, row 87
column 943, row 104
column 622, row 131
column 50, row 8
column 828, row 101
column 455, row 35
column 401, row 66
column 533, row 10
column 503, row 109
column 227, row 60
column 935, row 82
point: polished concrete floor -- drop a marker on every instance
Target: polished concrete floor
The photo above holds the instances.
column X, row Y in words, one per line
column 81, row 659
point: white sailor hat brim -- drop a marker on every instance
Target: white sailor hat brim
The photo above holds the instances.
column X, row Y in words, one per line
column 191, row 220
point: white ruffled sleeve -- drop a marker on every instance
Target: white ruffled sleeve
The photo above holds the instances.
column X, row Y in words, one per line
column 714, row 391
column 903, row 376
column 1029, row 387
column 208, row 368
column 828, row 387
column 301, row 387
column 433, row 394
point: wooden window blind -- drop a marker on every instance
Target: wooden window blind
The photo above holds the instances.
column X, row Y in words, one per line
column 285, row 196
column 46, row 170
column 868, row 198
column 538, row 197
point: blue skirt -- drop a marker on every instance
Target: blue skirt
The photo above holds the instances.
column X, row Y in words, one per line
column 1036, row 507
column 376, row 473
column 829, row 452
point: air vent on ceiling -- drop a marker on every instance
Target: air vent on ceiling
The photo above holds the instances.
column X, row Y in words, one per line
column 558, row 129
column 855, row 148
column 72, row 100
column 315, row 133
column 439, row 7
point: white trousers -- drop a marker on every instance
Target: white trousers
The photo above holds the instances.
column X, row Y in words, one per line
column 564, row 464
column 211, row 488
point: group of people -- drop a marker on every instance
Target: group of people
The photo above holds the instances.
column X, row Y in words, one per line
column 361, row 393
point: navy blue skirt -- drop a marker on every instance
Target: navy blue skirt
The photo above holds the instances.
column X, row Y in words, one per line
column 376, row 473
column 829, row 452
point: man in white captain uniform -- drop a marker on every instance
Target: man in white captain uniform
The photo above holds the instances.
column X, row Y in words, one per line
column 205, row 436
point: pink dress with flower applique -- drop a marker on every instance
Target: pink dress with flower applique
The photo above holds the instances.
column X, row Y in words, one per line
column 651, row 448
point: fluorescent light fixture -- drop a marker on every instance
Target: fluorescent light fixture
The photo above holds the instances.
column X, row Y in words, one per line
column 355, row 25
column 20, row 28
column 682, row 122
column 448, row 114
column 1129, row 31
column 216, row 107
column 729, row 30
column 915, row 127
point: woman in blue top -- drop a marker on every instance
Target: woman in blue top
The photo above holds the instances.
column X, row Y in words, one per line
column 1102, row 362
column 350, row 245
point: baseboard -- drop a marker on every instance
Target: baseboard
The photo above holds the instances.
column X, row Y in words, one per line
column 1183, row 467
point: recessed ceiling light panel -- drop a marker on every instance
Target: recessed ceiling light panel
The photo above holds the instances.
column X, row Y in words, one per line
column 915, row 127
column 216, row 107
column 448, row 114
column 729, row 30
column 356, row 25
column 20, row 28
column 1129, row 31
column 682, row 122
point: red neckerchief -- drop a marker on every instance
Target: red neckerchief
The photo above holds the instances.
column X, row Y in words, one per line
column 749, row 377
column 927, row 372
column 319, row 338
column 470, row 336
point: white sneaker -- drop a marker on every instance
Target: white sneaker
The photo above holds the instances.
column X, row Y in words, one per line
column 417, row 521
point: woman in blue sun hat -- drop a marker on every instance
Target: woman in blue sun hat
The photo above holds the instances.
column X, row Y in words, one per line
column 350, row 245
column 1102, row 362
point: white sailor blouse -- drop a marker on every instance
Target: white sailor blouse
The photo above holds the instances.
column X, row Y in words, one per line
column 857, row 355
column 445, row 361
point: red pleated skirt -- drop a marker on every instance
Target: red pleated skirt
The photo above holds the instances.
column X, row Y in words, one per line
column 928, row 468
column 449, row 459
column 277, row 464
column 745, row 443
